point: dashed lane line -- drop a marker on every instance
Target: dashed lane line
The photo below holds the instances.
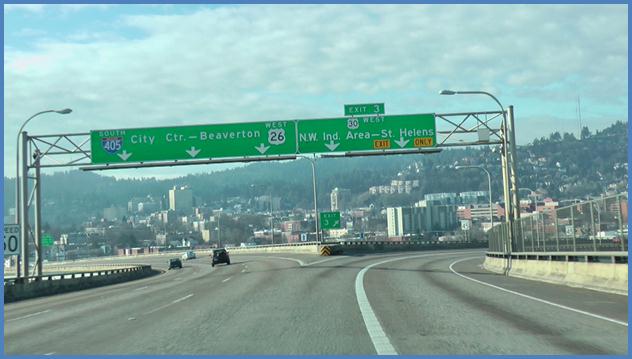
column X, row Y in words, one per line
column 169, row 304
column 28, row 315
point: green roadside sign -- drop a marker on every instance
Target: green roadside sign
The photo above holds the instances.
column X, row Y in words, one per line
column 364, row 109
column 47, row 240
column 193, row 142
column 329, row 220
column 366, row 133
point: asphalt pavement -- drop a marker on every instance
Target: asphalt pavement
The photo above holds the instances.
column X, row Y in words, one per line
column 433, row 302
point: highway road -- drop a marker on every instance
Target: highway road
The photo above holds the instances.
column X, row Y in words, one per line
column 434, row 302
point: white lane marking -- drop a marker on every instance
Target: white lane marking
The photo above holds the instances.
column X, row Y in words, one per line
column 141, row 288
column 325, row 260
column 300, row 262
column 51, row 353
column 226, row 280
column 169, row 304
column 534, row 298
column 183, row 298
column 243, row 270
column 28, row 315
column 380, row 341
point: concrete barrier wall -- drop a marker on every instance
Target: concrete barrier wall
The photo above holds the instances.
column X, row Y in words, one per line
column 19, row 291
column 605, row 277
column 310, row 249
column 407, row 246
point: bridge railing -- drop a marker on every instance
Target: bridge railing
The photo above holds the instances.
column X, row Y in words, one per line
column 592, row 226
column 85, row 271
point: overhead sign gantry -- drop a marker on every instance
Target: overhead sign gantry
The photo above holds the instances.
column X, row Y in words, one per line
column 366, row 132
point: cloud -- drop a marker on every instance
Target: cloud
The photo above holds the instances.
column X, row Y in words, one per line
column 65, row 8
column 25, row 7
column 256, row 63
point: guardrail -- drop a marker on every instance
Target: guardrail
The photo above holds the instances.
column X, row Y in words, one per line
column 399, row 243
column 55, row 283
column 72, row 274
column 297, row 244
column 570, row 256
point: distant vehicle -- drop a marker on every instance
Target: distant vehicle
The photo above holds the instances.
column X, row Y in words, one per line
column 188, row 255
column 220, row 255
column 175, row 263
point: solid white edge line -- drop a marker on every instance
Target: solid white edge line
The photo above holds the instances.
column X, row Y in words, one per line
column 534, row 298
column 226, row 280
column 378, row 337
column 28, row 315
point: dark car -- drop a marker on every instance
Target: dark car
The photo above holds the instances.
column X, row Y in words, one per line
column 220, row 256
column 175, row 263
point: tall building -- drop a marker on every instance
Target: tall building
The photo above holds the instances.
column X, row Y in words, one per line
column 404, row 221
column 181, row 200
column 423, row 217
column 340, row 198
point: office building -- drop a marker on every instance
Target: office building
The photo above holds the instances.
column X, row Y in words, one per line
column 181, row 200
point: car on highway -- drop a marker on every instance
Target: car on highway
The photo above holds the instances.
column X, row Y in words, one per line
column 220, row 255
column 175, row 263
column 188, row 255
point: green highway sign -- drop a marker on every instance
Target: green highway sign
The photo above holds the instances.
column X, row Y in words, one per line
column 366, row 133
column 193, row 142
column 364, row 109
column 329, row 220
column 47, row 240
column 256, row 139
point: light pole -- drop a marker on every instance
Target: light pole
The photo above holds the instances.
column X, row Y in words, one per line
column 17, row 186
column 219, row 229
column 313, row 163
column 271, row 219
column 17, row 158
column 489, row 186
column 510, row 196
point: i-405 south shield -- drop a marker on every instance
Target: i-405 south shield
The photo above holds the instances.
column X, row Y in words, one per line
column 112, row 144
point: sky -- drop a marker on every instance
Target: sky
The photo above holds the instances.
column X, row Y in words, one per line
column 127, row 66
